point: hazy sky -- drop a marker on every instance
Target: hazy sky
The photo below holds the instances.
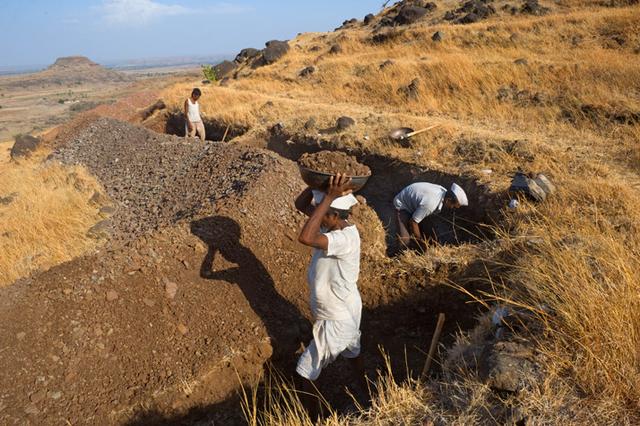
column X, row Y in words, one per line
column 36, row 32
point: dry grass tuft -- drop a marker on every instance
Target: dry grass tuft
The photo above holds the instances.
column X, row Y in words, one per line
column 48, row 215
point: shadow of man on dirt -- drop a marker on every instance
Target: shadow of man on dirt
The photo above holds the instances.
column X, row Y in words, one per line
column 284, row 322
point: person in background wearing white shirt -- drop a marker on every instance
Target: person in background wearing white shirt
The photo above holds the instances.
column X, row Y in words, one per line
column 193, row 122
column 332, row 279
column 419, row 200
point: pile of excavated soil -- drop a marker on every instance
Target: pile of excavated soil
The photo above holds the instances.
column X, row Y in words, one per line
column 334, row 162
column 156, row 179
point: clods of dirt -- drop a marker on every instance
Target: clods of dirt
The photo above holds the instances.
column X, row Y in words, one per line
column 334, row 162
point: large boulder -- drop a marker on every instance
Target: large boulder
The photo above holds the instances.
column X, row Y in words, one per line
column 410, row 15
column 274, row 51
column 369, row 18
column 224, row 69
column 24, row 145
column 247, row 54
column 474, row 10
column 344, row 123
column 532, row 7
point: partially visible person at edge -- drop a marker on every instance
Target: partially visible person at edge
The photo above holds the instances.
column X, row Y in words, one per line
column 332, row 278
column 417, row 202
column 193, row 121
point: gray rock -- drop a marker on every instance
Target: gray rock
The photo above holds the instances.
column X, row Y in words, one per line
column 310, row 124
column 532, row 7
column 335, row 49
column 224, row 69
column 521, row 61
column 410, row 15
column 107, row 210
column 307, row 71
column 247, row 54
column 274, row 51
column 469, row 18
column 369, row 18
column 507, row 366
column 546, row 185
column 344, row 122
column 101, row 229
column 24, row 146
column 437, row 36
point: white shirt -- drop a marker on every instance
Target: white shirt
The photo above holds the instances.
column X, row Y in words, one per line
column 333, row 275
column 420, row 199
column 193, row 111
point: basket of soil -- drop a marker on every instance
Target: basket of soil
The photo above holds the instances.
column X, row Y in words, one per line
column 316, row 169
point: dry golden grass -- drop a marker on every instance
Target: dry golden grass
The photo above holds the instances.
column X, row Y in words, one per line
column 47, row 220
column 583, row 262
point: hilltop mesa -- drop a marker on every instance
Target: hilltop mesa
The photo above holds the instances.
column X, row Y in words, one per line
column 68, row 71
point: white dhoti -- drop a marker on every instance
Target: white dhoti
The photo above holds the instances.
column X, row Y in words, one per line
column 330, row 339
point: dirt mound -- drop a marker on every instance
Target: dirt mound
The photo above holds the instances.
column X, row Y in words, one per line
column 334, row 161
column 156, row 180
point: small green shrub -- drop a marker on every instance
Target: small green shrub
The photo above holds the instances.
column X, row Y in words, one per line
column 209, row 72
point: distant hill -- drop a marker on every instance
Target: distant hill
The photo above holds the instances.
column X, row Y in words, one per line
column 67, row 71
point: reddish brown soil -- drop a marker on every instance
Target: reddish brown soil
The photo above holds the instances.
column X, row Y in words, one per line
column 334, row 162
column 101, row 339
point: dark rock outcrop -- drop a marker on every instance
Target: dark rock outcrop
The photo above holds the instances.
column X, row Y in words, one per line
column 274, row 51
column 24, row 146
column 224, row 69
column 247, row 54
column 410, row 15
column 532, row 7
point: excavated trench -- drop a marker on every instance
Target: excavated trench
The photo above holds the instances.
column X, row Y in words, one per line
column 471, row 224
column 172, row 123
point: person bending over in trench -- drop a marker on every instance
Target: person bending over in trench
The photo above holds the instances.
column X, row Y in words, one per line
column 420, row 200
column 332, row 279
column 193, row 122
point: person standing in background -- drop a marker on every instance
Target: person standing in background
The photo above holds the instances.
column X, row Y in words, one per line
column 193, row 121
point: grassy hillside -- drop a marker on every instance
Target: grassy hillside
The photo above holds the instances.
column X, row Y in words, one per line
column 558, row 94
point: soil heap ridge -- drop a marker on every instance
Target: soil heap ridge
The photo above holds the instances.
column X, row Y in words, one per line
column 156, row 180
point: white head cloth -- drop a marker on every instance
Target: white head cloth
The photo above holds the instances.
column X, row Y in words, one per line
column 461, row 196
column 340, row 203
